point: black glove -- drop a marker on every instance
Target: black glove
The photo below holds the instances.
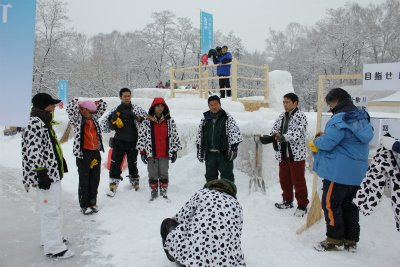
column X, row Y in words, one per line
column 144, row 158
column 233, row 152
column 173, row 158
column 44, row 181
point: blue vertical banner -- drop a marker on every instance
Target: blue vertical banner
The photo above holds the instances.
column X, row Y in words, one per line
column 17, row 40
column 63, row 92
column 206, row 32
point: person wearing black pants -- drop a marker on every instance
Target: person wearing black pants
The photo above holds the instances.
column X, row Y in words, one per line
column 225, row 83
column 89, row 178
column 222, row 57
column 125, row 120
column 84, row 116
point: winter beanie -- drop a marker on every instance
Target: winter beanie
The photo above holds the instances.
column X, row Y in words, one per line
column 222, row 185
column 90, row 105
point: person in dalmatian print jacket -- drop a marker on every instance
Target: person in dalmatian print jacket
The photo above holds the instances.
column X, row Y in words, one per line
column 84, row 117
column 207, row 229
column 43, row 167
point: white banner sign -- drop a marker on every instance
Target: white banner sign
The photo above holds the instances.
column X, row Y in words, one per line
column 360, row 101
column 381, row 77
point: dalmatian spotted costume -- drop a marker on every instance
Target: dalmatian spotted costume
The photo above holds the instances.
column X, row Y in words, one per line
column 384, row 171
column 209, row 231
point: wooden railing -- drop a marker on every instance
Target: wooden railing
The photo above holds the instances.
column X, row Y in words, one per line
column 202, row 80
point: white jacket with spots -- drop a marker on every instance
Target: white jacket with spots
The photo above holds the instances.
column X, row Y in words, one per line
column 209, row 231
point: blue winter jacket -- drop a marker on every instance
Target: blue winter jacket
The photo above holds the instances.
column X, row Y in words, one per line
column 224, row 70
column 342, row 155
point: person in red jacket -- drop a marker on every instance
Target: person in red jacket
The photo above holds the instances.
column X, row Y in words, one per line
column 158, row 143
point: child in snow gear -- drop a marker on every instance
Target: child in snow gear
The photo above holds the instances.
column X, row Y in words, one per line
column 158, row 143
column 84, row 116
column 207, row 229
column 44, row 167
column 125, row 121
column 218, row 138
column 342, row 160
column 289, row 131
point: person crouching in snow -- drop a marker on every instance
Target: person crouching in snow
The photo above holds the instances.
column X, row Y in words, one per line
column 207, row 229
column 158, row 142
column 43, row 166
column 84, row 116
column 341, row 159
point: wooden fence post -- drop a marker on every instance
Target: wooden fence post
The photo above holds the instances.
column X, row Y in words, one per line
column 234, row 87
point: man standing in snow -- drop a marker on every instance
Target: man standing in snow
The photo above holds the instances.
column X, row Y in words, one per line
column 43, row 166
column 289, row 130
column 158, row 143
column 207, row 229
column 84, row 116
column 341, row 159
column 217, row 141
column 125, row 121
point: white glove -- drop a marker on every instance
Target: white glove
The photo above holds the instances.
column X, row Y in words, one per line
column 388, row 142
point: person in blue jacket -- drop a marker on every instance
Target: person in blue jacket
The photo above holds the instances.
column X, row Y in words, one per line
column 341, row 159
column 224, row 70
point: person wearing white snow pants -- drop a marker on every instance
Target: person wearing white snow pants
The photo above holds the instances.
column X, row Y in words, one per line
column 43, row 167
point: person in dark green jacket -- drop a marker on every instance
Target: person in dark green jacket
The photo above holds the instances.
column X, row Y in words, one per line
column 217, row 141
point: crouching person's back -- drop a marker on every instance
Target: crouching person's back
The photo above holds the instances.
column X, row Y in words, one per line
column 208, row 228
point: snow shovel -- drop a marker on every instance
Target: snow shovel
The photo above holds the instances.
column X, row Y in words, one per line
column 315, row 212
column 257, row 182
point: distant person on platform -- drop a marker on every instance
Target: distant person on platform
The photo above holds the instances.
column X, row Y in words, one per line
column 221, row 56
column 125, row 121
column 43, row 167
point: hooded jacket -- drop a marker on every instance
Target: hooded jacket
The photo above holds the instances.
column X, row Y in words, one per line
column 342, row 155
column 224, row 70
column 147, row 138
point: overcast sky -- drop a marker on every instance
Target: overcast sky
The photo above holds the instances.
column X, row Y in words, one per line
column 248, row 19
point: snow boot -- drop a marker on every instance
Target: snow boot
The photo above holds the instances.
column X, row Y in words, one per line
column 284, row 205
column 300, row 212
column 330, row 244
column 154, row 194
column 87, row 211
column 134, row 180
column 113, row 187
column 61, row 255
column 350, row 246
column 163, row 192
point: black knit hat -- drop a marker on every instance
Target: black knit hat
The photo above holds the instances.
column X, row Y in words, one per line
column 42, row 100
column 222, row 185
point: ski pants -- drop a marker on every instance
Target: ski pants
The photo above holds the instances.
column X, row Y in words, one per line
column 89, row 177
column 49, row 206
column 158, row 170
column 291, row 175
column 120, row 148
column 341, row 214
column 225, row 83
column 216, row 161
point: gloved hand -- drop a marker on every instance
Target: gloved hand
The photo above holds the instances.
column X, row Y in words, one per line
column 200, row 159
column 388, row 142
column 116, row 120
column 233, row 152
column 312, row 146
column 173, row 158
column 43, row 178
column 144, row 158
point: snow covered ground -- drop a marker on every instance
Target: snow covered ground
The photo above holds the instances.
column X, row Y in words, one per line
column 125, row 232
